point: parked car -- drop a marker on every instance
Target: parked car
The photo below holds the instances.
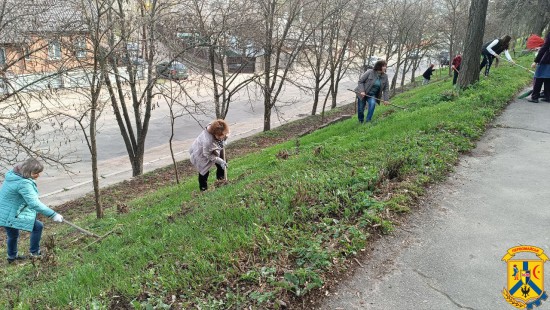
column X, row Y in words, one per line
column 172, row 70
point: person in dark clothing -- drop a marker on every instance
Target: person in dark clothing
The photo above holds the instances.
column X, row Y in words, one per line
column 372, row 85
column 542, row 72
column 492, row 50
column 455, row 66
column 428, row 74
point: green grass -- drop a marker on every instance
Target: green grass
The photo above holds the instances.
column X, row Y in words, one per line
column 280, row 225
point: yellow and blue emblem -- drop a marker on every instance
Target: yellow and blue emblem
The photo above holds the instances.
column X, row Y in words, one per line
column 525, row 277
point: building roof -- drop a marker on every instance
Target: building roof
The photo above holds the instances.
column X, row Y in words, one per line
column 40, row 17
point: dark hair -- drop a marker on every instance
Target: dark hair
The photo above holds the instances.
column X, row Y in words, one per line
column 28, row 167
column 379, row 64
column 506, row 41
column 218, row 127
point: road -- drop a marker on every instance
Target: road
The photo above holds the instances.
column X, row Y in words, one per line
column 245, row 118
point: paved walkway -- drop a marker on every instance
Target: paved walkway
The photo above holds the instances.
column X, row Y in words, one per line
column 449, row 253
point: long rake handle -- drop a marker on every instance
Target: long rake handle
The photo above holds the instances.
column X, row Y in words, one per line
column 89, row 233
column 393, row 105
column 224, row 170
column 520, row 66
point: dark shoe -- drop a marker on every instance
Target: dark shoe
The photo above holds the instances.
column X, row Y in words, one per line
column 545, row 100
column 533, row 100
column 17, row 258
column 36, row 255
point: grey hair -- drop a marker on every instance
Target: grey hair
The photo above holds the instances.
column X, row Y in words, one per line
column 28, row 167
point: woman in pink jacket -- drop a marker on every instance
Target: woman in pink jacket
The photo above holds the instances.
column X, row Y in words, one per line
column 207, row 150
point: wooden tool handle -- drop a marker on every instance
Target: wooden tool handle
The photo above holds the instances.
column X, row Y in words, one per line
column 81, row 229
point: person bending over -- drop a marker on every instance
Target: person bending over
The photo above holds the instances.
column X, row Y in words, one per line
column 19, row 205
column 492, row 50
column 207, row 150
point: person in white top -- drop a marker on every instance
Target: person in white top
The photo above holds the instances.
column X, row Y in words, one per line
column 492, row 50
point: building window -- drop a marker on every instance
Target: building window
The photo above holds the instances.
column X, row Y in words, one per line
column 2, row 56
column 80, row 47
column 54, row 50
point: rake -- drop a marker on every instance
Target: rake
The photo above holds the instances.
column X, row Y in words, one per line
column 524, row 68
column 87, row 232
column 224, row 170
column 393, row 105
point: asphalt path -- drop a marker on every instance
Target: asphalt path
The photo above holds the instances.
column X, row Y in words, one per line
column 448, row 253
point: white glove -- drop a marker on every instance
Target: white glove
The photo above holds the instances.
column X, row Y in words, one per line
column 58, row 218
column 221, row 162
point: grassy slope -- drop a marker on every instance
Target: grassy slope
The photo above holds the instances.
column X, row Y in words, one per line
column 280, row 225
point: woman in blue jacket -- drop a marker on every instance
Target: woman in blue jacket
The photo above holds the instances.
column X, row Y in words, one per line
column 19, row 205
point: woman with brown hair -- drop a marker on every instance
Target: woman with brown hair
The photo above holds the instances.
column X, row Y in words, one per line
column 207, row 150
column 370, row 88
column 492, row 50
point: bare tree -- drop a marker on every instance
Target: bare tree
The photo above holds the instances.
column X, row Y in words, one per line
column 469, row 71
column 453, row 19
column 29, row 123
column 132, row 101
column 399, row 30
column 224, row 35
column 177, row 100
column 286, row 31
column 522, row 17
column 328, row 46
column 339, row 61
column 92, row 58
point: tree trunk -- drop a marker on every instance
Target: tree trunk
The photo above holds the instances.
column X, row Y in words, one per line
column 95, row 91
column 541, row 17
column 469, row 69
column 172, row 121
column 267, row 117
column 315, row 98
column 95, row 174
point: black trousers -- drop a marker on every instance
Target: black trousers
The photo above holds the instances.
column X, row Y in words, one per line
column 455, row 75
column 220, row 174
column 537, row 86
column 486, row 62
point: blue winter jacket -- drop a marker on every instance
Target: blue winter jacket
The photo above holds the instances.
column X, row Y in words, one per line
column 19, row 203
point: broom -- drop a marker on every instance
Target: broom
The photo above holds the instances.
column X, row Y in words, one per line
column 525, row 94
